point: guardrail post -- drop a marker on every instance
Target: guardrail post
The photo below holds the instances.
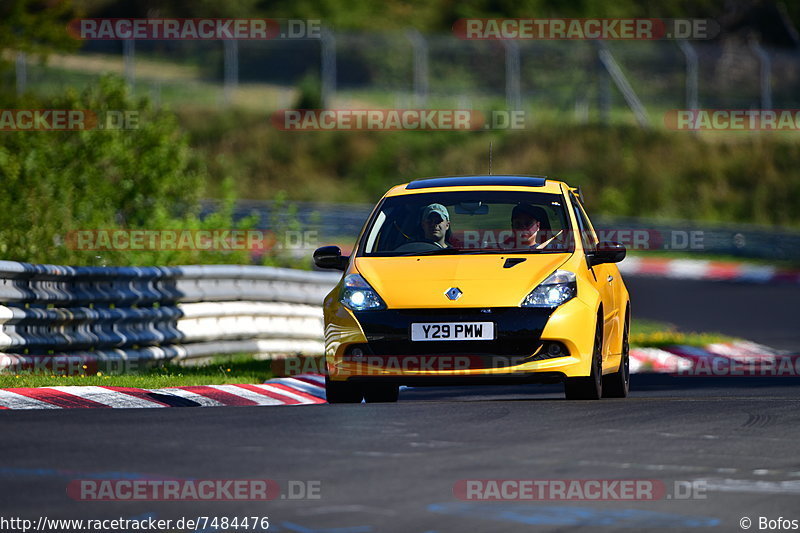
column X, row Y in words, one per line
column 328, row 67
column 420, row 47
column 21, row 73
column 765, row 73
column 691, row 75
column 612, row 67
column 231, row 55
column 513, row 97
column 603, row 93
column 129, row 54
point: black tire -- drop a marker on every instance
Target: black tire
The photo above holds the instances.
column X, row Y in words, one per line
column 617, row 385
column 342, row 391
column 591, row 387
column 381, row 393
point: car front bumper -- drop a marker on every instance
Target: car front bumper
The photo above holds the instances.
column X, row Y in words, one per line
column 376, row 345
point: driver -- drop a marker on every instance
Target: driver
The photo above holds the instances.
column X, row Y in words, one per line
column 435, row 223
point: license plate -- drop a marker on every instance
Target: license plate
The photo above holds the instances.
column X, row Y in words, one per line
column 452, row 331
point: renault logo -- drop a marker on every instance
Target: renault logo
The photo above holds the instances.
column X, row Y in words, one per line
column 454, row 293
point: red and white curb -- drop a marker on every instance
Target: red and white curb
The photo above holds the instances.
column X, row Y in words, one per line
column 304, row 389
column 736, row 358
column 706, row 270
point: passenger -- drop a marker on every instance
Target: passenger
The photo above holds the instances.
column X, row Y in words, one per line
column 526, row 222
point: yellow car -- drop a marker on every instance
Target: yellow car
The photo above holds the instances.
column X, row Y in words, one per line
column 476, row 279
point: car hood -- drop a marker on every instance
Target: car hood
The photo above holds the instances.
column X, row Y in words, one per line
column 421, row 281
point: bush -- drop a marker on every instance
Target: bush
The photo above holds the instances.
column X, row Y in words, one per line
column 55, row 183
column 309, row 93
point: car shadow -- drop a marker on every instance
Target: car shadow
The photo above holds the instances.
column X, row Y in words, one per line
column 640, row 384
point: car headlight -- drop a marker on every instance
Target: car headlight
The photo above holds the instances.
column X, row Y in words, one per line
column 357, row 294
column 558, row 288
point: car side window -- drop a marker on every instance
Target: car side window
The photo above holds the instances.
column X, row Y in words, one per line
column 587, row 234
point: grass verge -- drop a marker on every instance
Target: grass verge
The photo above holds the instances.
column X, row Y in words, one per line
column 240, row 368
column 651, row 334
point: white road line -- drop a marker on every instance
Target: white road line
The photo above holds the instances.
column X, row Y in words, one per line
column 751, row 486
column 13, row 400
column 260, row 399
column 107, row 397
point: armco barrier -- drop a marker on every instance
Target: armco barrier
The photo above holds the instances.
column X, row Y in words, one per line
column 330, row 223
column 55, row 314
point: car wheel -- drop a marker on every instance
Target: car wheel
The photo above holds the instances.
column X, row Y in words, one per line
column 381, row 393
column 616, row 385
column 591, row 387
column 342, row 391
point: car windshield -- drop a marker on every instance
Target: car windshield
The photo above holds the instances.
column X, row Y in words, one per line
column 468, row 222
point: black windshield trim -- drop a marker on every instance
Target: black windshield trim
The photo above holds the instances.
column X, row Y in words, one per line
column 362, row 240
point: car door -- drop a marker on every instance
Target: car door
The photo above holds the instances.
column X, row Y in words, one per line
column 603, row 276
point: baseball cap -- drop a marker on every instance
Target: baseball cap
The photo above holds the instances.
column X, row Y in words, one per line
column 435, row 208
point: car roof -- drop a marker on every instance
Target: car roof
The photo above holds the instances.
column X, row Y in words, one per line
column 482, row 182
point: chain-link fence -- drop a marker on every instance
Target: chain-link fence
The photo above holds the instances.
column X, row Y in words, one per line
column 574, row 81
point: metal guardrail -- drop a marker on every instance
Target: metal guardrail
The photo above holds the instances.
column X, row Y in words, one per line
column 341, row 223
column 55, row 314
column 745, row 241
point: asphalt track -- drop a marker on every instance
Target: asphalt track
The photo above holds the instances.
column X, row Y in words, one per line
column 394, row 467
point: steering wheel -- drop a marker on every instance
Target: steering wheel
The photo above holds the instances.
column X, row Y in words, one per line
column 417, row 246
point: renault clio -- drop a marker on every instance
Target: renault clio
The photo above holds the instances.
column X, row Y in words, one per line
column 477, row 279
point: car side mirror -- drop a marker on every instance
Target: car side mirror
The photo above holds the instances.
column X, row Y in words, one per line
column 330, row 257
column 607, row 252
